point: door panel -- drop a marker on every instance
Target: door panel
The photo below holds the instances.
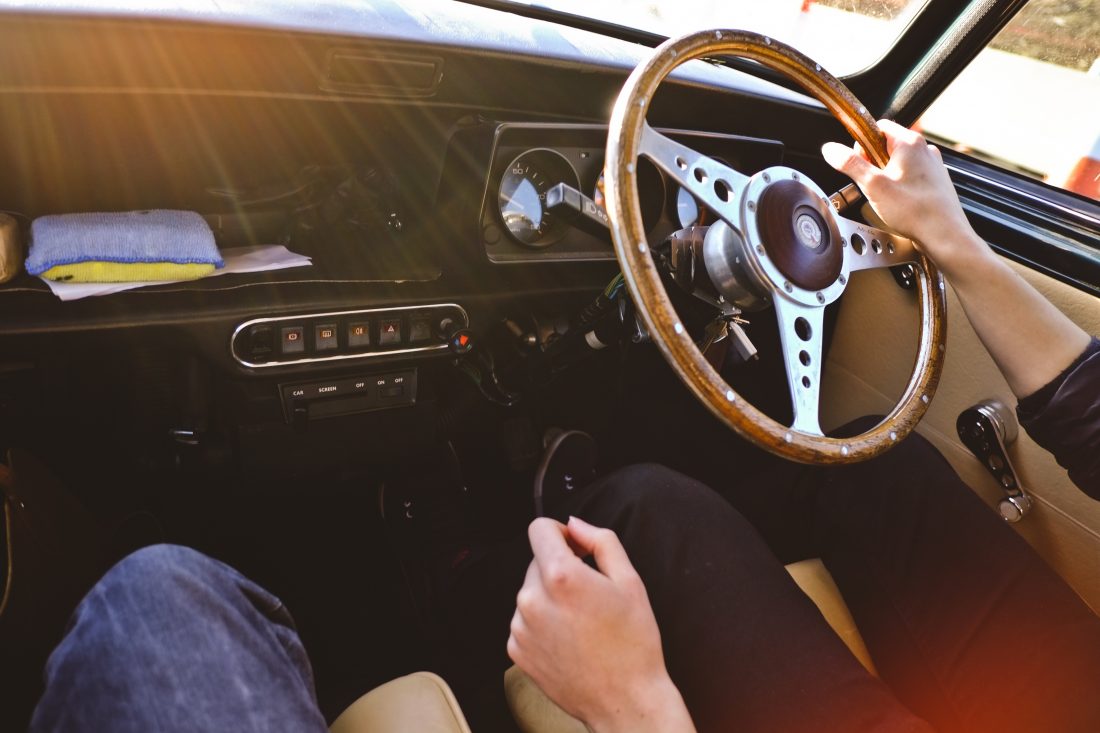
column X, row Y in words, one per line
column 870, row 360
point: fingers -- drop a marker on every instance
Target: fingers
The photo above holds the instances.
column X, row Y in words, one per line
column 518, row 639
column 530, row 596
column 604, row 545
column 547, row 537
column 531, row 609
column 559, row 567
column 895, row 134
column 848, row 161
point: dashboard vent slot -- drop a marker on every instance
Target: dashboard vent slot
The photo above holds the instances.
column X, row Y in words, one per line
column 350, row 71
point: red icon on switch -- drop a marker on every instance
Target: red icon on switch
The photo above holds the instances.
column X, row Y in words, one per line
column 390, row 332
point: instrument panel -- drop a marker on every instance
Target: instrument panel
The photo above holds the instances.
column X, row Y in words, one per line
column 544, row 198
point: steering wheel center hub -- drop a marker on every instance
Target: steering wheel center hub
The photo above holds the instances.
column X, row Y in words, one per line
column 799, row 233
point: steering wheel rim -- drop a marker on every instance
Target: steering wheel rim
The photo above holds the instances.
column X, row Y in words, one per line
column 630, row 136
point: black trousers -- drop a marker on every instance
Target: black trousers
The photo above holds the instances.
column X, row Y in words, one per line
column 969, row 629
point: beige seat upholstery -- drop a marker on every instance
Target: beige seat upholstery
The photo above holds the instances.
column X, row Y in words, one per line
column 535, row 713
column 532, row 710
column 420, row 702
column 816, row 582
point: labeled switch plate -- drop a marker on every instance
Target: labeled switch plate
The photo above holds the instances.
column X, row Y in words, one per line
column 303, row 402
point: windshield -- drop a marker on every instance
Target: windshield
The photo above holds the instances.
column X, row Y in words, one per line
column 844, row 36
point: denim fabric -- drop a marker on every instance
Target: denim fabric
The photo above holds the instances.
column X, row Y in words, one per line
column 171, row 640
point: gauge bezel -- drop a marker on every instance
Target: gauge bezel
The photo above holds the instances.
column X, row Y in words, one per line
column 560, row 227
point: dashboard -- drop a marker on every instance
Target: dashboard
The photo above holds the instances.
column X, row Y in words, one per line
column 496, row 191
column 177, row 106
column 543, row 198
column 531, row 194
column 488, row 146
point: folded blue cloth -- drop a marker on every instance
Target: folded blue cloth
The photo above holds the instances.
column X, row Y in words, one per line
column 122, row 247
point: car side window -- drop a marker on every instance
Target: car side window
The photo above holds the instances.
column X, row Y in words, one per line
column 1030, row 102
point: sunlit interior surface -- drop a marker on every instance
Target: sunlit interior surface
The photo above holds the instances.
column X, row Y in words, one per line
column 845, row 36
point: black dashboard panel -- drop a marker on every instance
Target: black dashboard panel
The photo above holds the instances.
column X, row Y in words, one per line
column 114, row 110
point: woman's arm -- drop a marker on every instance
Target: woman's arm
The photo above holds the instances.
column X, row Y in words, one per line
column 1031, row 340
column 1050, row 363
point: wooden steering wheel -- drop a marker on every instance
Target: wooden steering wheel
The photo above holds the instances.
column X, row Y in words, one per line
column 777, row 241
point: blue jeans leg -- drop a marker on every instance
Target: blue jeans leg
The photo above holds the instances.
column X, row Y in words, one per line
column 172, row 640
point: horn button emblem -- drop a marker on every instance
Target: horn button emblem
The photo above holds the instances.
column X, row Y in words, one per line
column 809, row 231
column 799, row 233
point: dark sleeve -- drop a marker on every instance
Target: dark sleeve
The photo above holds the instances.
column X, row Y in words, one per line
column 1064, row 418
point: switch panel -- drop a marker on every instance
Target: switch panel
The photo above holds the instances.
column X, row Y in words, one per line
column 347, row 395
column 344, row 335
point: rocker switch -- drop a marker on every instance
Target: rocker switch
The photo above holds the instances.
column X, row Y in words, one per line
column 986, row 428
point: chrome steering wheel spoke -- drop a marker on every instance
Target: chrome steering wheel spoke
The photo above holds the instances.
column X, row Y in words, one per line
column 714, row 183
column 868, row 247
column 800, row 332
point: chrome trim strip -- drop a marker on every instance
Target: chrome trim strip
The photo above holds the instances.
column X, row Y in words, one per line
column 1073, row 213
column 342, row 357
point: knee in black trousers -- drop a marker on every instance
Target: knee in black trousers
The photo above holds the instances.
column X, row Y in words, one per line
column 748, row 650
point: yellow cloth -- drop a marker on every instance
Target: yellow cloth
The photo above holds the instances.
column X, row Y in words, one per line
column 126, row 272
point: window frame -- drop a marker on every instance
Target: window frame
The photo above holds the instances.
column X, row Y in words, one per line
column 1042, row 226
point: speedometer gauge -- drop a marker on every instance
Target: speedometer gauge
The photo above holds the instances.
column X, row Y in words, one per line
column 688, row 211
column 522, row 196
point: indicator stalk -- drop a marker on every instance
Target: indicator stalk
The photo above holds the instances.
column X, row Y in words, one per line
column 579, row 210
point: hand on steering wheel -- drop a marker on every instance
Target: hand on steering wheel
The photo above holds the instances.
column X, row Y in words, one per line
column 777, row 241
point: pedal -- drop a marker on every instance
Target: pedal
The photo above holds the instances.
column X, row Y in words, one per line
column 986, row 429
column 568, row 464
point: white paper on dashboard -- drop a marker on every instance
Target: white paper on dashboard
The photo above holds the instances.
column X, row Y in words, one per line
column 237, row 260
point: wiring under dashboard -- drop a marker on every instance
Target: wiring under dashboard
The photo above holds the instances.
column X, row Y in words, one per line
column 597, row 308
column 614, row 287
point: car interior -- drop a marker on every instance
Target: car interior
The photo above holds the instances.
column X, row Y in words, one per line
column 443, row 166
